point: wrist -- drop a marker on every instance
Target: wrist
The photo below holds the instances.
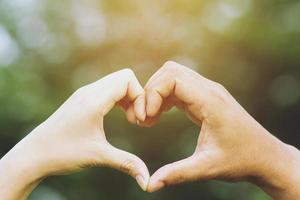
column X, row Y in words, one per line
column 20, row 165
column 18, row 179
column 20, row 171
column 279, row 175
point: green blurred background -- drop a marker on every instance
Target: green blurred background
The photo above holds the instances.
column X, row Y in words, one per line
column 48, row 48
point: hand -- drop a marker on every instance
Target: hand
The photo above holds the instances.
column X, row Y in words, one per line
column 232, row 145
column 73, row 137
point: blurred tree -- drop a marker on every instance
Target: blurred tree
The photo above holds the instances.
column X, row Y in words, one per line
column 50, row 48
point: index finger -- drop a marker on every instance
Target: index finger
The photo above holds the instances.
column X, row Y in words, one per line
column 186, row 85
column 116, row 86
column 166, row 81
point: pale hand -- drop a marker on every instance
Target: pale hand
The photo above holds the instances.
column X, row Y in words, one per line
column 73, row 138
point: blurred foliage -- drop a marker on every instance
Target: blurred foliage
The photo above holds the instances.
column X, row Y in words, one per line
column 48, row 48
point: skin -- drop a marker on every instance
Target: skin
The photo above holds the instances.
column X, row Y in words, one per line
column 232, row 146
column 73, row 138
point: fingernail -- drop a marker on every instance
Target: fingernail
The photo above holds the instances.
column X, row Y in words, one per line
column 157, row 186
column 142, row 182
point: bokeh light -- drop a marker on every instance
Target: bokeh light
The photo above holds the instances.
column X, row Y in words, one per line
column 49, row 48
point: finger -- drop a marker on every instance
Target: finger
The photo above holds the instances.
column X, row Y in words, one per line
column 201, row 165
column 136, row 94
column 174, row 173
column 129, row 110
column 116, row 86
column 183, row 83
column 154, row 102
column 160, row 86
column 150, row 121
column 123, row 104
column 161, row 70
column 166, row 105
column 130, row 114
column 156, row 93
column 128, row 163
column 139, row 107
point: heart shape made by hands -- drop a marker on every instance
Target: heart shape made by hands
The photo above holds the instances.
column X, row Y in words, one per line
column 221, row 118
column 229, row 138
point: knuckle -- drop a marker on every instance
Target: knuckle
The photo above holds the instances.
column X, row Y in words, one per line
column 82, row 91
column 127, row 167
column 172, row 66
column 219, row 91
column 81, row 98
column 127, row 72
column 220, row 86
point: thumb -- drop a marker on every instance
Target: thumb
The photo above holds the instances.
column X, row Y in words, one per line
column 128, row 163
column 186, row 170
